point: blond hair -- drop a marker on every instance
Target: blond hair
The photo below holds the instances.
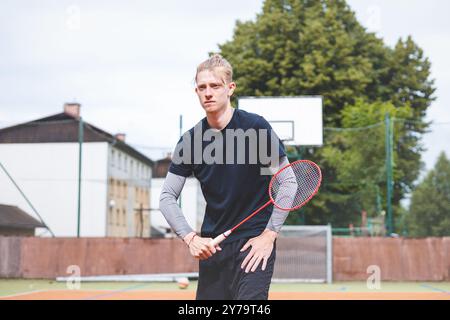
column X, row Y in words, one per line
column 215, row 62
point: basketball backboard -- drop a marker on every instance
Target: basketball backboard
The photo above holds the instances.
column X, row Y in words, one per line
column 296, row 120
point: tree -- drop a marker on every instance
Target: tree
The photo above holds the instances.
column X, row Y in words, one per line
column 429, row 212
column 356, row 155
column 304, row 47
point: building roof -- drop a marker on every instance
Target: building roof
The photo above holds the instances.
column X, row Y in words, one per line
column 161, row 167
column 13, row 217
column 63, row 127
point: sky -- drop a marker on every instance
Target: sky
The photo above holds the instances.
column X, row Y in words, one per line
column 131, row 64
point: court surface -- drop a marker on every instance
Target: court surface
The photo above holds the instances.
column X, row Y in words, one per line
column 52, row 290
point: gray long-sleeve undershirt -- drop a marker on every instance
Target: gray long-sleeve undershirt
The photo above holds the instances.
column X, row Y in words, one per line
column 171, row 190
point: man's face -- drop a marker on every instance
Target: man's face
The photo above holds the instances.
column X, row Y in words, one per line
column 213, row 93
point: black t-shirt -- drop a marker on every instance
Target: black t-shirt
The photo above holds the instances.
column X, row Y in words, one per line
column 232, row 189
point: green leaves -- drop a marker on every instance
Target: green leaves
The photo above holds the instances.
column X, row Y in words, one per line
column 430, row 202
column 357, row 154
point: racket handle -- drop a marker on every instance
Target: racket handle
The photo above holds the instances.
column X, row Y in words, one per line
column 220, row 238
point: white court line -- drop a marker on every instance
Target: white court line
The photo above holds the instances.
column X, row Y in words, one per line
column 17, row 295
column 21, row 294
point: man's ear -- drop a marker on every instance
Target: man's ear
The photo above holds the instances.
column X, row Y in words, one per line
column 232, row 87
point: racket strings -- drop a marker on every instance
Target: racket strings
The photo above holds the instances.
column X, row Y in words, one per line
column 295, row 185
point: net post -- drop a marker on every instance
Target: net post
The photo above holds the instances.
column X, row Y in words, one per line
column 389, row 151
column 329, row 255
column 80, row 159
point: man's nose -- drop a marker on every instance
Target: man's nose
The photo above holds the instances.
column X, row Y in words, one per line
column 208, row 92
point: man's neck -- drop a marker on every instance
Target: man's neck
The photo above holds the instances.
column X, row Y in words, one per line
column 219, row 120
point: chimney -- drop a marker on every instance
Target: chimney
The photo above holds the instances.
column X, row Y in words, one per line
column 120, row 136
column 72, row 109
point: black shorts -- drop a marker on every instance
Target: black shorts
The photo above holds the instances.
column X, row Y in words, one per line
column 221, row 276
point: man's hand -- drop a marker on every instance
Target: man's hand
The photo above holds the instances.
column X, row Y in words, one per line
column 262, row 247
column 200, row 248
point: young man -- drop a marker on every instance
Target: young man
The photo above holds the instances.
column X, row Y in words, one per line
column 241, row 267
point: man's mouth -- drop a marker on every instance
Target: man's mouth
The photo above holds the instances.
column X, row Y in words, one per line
column 207, row 102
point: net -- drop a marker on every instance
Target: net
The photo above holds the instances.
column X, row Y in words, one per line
column 304, row 254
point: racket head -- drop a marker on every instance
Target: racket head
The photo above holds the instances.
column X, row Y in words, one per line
column 308, row 177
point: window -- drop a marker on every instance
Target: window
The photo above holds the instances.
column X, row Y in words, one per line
column 132, row 169
column 111, row 216
column 117, row 218
column 124, row 218
column 111, row 187
column 113, row 158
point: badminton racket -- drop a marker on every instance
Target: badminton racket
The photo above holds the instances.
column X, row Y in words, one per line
column 289, row 189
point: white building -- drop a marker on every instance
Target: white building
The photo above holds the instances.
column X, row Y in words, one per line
column 41, row 157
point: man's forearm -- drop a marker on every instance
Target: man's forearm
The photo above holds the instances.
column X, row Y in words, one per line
column 278, row 216
column 169, row 207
